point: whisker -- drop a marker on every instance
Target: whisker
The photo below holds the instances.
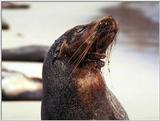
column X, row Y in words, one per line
column 81, row 46
column 81, row 57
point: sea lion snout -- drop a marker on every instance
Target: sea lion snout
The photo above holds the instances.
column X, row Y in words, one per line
column 105, row 32
column 107, row 24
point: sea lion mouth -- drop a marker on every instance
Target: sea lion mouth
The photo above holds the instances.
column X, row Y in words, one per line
column 105, row 31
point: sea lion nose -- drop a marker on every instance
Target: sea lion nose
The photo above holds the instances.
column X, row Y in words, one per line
column 107, row 24
column 110, row 17
column 107, row 21
column 112, row 23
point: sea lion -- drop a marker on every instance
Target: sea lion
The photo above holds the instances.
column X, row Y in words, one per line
column 18, row 86
column 73, row 86
column 5, row 25
column 11, row 5
column 31, row 53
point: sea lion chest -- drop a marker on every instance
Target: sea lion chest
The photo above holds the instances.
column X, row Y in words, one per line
column 89, row 85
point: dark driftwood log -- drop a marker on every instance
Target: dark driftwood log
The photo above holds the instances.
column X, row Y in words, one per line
column 10, row 5
column 27, row 53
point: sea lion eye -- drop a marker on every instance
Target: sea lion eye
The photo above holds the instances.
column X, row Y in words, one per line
column 80, row 30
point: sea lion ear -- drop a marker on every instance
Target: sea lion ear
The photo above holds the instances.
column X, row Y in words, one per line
column 62, row 49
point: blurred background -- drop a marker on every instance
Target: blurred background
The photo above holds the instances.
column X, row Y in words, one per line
column 29, row 27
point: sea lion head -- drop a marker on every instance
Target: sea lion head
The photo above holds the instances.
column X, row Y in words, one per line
column 88, row 43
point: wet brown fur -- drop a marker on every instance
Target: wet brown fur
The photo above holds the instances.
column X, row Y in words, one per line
column 73, row 69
